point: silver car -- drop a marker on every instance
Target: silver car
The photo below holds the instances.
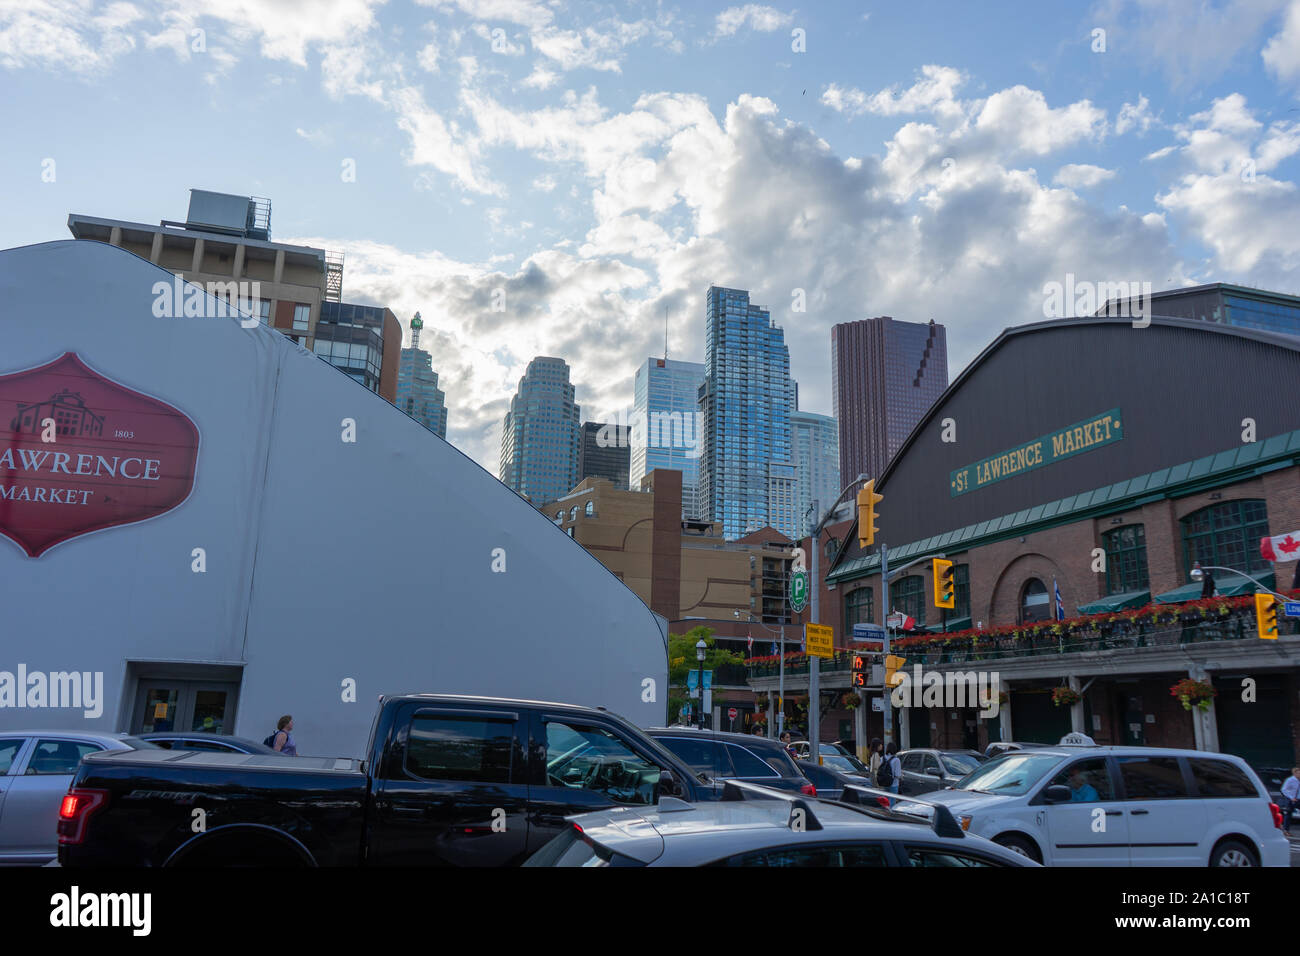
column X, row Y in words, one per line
column 761, row 826
column 36, row 768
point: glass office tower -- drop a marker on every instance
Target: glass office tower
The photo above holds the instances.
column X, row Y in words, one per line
column 541, row 435
column 747, row 471
column 666, row 430
column 817, row 453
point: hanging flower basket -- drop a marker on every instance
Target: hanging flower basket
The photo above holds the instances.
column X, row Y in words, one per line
column 1065, row 696
column 1192, row 693
column 850, row 701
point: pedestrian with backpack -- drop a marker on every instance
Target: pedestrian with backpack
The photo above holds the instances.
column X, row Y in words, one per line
column 282, row 740
column 890, row 768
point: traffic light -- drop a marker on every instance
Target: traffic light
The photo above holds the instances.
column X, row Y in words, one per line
column 1266, row 616
column 861, row 671
column 945, row 588
column 893, row 664
column 867, row 501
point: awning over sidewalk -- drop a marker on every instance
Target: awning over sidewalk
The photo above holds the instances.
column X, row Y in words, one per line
column 1225, row 585
column 1118, row 602
column 954, row 624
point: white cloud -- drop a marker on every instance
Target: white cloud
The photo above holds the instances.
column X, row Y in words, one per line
column 428, row 57
column 1229, row 201
column 533, row 14
column 934, row 93
column 64, row 34
column 755, row 16
column 541, row 78
column 1135, row 116
column 436, row 143
column 1282, row 54
column 1192, row 43
column 1081, row 176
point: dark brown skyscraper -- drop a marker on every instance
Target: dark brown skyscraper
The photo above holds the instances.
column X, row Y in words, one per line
column 885, row 374
column 605, row 452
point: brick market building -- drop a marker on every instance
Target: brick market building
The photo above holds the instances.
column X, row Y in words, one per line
column 1103, row 460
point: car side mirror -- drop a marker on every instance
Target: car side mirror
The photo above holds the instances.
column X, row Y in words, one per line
column 1057, row 793
column 669, row 785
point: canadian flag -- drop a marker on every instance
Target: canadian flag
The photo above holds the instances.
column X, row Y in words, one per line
column 909, row 622
column 751, row 643
column 1283, row 547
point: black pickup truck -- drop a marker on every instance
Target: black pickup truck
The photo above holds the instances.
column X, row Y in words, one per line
column 460, row 781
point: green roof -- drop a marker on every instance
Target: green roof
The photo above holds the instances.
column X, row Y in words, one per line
column 1246, row 461
column 1117, row 602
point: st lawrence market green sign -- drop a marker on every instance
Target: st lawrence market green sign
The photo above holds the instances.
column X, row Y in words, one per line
column 1083, row 436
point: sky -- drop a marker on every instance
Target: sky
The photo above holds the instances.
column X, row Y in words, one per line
column 558, row 177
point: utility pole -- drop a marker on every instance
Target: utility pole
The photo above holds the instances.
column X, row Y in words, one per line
column 814, row 662
column 884, row 644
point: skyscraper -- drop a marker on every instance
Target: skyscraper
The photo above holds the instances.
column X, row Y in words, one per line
column 817, row 451
column 885, row 374
column 418, row 393
column 665, row 424
column 604, row 453
column 747, row 472
column 540, row 436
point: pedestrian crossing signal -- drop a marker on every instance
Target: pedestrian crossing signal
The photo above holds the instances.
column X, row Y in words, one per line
column 945, row 587
column 1266, row 616
column 861, row 671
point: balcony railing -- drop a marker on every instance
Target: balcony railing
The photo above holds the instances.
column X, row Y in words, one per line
column 1178, row 629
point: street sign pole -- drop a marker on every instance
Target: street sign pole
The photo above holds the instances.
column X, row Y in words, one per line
column 884, row 644
column 814, row 663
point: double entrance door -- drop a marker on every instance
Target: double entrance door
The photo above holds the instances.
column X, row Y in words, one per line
column 185, row 706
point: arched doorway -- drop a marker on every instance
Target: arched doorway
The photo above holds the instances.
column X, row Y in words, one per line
column 1034, row 602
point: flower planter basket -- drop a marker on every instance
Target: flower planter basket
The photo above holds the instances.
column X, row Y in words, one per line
column 1194, row 693
column 1065, row 696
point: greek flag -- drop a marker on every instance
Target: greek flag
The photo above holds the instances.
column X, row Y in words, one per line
column 1060, row 608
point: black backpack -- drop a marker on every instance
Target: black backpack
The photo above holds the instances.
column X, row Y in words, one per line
column 270, row 741
column 884, row 775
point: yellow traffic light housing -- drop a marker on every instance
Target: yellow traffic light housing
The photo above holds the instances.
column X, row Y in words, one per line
column 1266, row 616
column 867, row 501
column 945, row 586
column 893, row 664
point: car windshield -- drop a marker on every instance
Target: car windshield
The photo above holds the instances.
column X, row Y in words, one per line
column 843, row 763
column 1011, row 775
column 960, row 763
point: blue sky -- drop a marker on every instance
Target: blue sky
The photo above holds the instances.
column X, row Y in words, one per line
column 603, row 163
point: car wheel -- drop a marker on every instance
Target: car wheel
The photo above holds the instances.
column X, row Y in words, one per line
column 1233, row 853
column 1021, row 845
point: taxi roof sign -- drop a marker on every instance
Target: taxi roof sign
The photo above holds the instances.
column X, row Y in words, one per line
column 1077, row 739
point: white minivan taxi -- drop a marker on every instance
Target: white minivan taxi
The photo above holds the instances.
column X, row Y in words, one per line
column 1081, row 805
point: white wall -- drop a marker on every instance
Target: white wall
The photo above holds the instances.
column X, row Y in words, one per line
column 325, row 560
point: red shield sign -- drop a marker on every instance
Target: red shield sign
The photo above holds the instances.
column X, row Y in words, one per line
column 80, row 453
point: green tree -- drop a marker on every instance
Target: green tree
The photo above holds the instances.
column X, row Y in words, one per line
column 681, row 654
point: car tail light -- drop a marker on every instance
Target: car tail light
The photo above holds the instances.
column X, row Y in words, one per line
column 808, row 789
column 1277, row 815
column 75, row 811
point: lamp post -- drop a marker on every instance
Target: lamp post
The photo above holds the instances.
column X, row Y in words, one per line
column 700, row 649
column 1198, row 572
column 780, row 692
column 815, row 526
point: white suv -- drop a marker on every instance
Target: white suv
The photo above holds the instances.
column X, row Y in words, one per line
column 1120, row 806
